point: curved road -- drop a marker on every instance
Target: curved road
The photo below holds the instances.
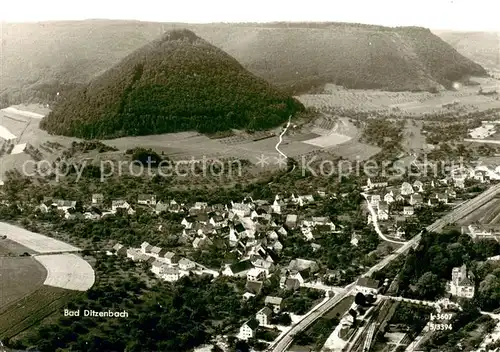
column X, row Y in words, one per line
column 286, row 340
column 281, row 139
column 375, row 222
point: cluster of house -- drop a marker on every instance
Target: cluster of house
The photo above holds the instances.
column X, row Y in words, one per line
column 165, row 264
column 273, row 305
column 462, row 283
column 399, row 202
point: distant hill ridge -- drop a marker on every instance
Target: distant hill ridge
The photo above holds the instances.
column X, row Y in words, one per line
column 40, row 59
column 178, row 82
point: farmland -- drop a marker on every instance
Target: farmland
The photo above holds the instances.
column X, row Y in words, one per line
column 31, row 309
column 464, row 98
column 10, row 248
column 34, row 241
column 20, row 276
column 67, row 271
column 312, row 137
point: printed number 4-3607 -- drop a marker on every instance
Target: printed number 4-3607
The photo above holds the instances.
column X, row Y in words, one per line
column 439, row 327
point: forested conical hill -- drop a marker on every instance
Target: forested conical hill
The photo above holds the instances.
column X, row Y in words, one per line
column 177, row 83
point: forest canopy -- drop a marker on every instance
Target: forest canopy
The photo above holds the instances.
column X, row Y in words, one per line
column 177, row 83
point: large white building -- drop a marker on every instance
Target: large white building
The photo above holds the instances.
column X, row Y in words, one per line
column 461, row 284
column 248, row 329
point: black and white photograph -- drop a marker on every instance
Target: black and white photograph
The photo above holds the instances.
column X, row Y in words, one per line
column 243, row 176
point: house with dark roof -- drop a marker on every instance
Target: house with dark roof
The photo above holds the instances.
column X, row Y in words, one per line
column 146, row 247
column 416, row 199
column 253, row 287
column 288, row 283
column 158, row 251
column 248, row 329
column 171, row 258
column 239, row 269
column 274, row 302
column 263, row 316
column 120, row 249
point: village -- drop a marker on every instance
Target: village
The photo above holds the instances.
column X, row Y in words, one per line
column 255, row 232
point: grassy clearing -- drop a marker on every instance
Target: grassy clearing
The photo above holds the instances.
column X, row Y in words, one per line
column 32, row 309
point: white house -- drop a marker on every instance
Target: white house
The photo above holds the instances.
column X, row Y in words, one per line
column 248, row 329
column 419, row 186
column 461, row 284
column 307, row 233
column 65, row 205
column 171, row 258
column 146, row 199
column 406, row 189
column 383, row 211
column 408, row 211
column 97, row 198
column 375, row 199
column 241, row 209
column 158, row 268
column 443, row 198
column 146, row 247
column 416, row 199
column 171, row 274
column 277, row 206
column 263, row 316
column 120, row 204
column 256, row 274
column 239, row 269
column 389, row 198
column 186, row 264
column 479, row 232
column 376, row 183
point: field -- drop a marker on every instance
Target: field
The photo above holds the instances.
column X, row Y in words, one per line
column 406, row 103
column 413, row 138
column 35, row 241
column 67, row 271
column 186, row 146
column 19, row 276
column 328, row 134
column 28, row 311
column 10, row 248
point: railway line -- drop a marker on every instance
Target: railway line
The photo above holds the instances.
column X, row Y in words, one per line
column 284, row 341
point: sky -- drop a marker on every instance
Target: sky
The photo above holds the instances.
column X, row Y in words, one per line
column 466, row 15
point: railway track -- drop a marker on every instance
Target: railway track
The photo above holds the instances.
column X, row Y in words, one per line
column 466, row 208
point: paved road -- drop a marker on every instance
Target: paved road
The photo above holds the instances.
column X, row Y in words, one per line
column 286, row 340
column 374, row 218
column 281, row 139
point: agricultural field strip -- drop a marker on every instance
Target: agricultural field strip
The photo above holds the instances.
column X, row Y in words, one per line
column 36, row 306
column 67, row 271
column 6, row 134
column 25, row 113
column 35, row 241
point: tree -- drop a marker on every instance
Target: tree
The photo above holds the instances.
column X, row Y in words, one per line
column 429, row 286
